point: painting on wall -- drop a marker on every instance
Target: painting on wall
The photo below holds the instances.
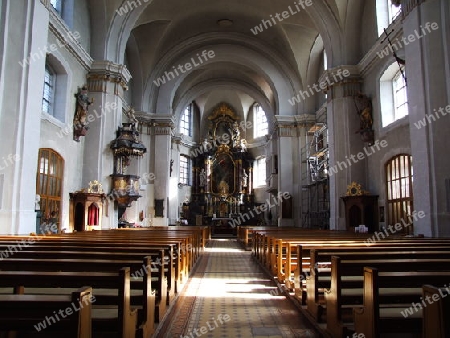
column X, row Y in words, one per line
column 223, row 175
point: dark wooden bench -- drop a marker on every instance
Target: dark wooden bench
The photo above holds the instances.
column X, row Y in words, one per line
column 435, row 319
column 35, row 313
column 111, row 310
column 393, row 302
column 401, row 284
column 294, row 274
column 153, row 304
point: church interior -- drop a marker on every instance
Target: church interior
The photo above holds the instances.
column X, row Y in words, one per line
column 227, row 168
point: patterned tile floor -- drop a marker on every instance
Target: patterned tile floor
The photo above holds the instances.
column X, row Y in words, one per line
column 229, row 295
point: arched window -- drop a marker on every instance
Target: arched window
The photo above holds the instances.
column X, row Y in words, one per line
column 399, row 189
column 48, row 96
column 259, row 172
column 54, row 95
column 185, row 170
column 393, row 95
column 186, row 121
column 261, row 127
column 49, row 181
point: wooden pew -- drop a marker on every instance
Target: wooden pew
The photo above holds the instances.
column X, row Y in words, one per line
column 110, row 313
column 378, row 315
column 107, row 251
column 33, row 313
column 311, row 257
column 397, row 287
column 436, row 314
column 151, row 310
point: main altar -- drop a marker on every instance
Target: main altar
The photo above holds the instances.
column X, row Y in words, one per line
column 222, row 175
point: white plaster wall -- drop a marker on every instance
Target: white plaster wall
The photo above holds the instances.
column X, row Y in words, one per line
column 21, row 92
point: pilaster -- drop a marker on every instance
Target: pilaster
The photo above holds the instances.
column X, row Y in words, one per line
column 21, row 87
column 343, row 137
column 161, row 130
column 287, row 135
column 427, row 71
column 106, row 83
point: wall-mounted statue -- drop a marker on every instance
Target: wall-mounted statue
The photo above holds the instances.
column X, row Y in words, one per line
column 80, row 127
column 203, row 178
column 364, row 110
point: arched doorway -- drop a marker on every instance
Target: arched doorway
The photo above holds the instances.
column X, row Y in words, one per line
column 49, row 180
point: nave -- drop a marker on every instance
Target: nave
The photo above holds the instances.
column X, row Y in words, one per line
column 231, row 296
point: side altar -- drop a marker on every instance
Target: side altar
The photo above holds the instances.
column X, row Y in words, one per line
column 222, row 175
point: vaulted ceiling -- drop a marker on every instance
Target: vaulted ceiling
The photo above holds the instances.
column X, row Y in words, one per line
column 269, row 67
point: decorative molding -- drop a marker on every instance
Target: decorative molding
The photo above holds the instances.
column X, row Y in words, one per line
column 158, row 124
column 305, row 120
column 338, row 85
column 286, row 126
column 104, row 72
column 64, row 35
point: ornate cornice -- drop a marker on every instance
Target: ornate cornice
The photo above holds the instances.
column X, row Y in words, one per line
column 305, row 120
column 342, row 81
column 159, row 124
column 286, row 126
column 104, row 72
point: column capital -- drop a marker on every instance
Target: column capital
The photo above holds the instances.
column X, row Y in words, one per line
column 341, row 81
column 286, row 126
column 161, row 124
column 104, row 72
column 305, row 120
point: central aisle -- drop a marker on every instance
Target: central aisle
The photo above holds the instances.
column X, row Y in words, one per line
column 229, row 295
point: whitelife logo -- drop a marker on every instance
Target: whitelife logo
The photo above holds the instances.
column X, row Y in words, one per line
column 170, row 75
column 265, row 24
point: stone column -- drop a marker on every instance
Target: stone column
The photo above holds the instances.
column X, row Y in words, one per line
column 162, row 131
column 287, row 143
column 428, row 80
column 106, row 83
column 344, row 140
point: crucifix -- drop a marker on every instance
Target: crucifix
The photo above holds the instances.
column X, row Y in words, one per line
column 399, row 60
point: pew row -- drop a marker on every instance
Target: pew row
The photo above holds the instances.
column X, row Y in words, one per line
column 35, row 313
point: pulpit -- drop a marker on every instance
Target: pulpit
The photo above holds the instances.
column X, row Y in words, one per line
column 361, row 209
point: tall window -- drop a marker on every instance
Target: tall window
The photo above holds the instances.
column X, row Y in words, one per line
column 399, row 188
column 49, row 180
column 400, row 96
column 393, row 95
column 261, row 126
column 186, row 121
column 57, row 4
column 325, row 60
column 259, row 172
column 48, row 96
column 387, row 12
column 185, row 170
